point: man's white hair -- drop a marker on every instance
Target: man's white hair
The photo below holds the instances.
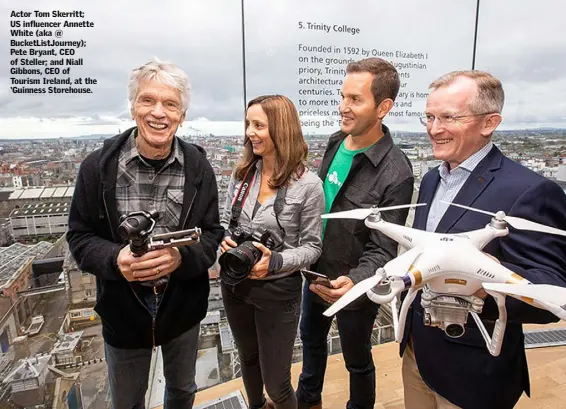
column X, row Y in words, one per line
column 164, row 72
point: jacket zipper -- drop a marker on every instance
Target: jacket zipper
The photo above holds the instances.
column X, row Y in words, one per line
column 167, row 283
column 189, row 209
column 135, row 295
column 108, row 215
column 153, row 317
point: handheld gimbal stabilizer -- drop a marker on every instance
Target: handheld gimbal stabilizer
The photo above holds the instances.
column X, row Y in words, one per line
column 138, row 226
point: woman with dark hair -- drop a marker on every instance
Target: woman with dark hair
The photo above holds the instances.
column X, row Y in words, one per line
column 271, row 191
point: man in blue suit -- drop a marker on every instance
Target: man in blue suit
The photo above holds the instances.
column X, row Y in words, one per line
column 463, row 110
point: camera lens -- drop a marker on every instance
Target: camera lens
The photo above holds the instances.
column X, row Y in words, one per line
column 454, row 330
column 124, row 231
column 237, row 263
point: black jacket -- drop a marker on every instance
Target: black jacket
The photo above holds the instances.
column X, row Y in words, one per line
column 95, row 243
column 381, row 176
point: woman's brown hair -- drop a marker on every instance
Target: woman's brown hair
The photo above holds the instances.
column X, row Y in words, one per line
column 285, row 131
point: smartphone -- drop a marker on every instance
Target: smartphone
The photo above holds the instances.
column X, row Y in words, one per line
column 316, row 278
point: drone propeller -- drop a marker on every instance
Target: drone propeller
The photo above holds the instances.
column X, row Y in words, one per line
column 540, row 292
column 516, row 222
column 354, row 293
column 361, row 214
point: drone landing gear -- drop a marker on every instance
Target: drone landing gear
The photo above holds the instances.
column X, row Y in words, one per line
column 494, row 342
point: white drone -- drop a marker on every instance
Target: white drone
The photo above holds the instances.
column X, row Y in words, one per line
column 450, row 269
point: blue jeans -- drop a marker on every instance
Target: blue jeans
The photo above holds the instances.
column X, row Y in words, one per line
column 354, row 327
column 128, row 373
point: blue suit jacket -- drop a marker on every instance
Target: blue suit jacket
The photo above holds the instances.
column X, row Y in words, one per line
column 462, row 370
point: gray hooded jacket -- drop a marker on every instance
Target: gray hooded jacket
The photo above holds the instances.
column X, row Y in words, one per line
column 300, row 217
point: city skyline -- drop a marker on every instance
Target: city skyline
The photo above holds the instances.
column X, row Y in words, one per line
column 206, row 41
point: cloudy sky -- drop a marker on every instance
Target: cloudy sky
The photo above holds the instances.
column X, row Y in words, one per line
column 524, row 46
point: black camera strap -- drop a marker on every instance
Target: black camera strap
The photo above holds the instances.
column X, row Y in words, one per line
column 242, row 195
column 278, row 206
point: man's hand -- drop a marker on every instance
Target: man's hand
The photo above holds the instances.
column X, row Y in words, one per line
column 260, row 269
column 124, row 261
column 340, row 286
column 227, row 244
column 151, row 266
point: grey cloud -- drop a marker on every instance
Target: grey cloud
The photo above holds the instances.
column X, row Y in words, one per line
column 5, row 100
column 126, row 115
column 525, row 47
column 535, row 64
column 96, row 120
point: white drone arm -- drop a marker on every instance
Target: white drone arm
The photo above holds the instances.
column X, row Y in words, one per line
column 405, row 236
column 395, row 268
column 353, row 294
column 399, row 266
column 480, row 238
column 499, row 281
column 549, row 297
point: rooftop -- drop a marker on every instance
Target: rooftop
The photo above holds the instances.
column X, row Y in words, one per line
column 547, row 368
column 41, row 209
column 212, row 317
column 29, row 368
column 42, row 192
column 14, row 256
column 68, row 343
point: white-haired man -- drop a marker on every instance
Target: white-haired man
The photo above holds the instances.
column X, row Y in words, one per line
column 160, row 297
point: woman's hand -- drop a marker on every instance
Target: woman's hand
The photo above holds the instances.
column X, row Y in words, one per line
column 260, row 269
column 227, row 244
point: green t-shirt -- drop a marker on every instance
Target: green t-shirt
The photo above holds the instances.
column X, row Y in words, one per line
column 337, row 173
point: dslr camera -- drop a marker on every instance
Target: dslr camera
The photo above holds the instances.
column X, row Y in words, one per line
column 237, row 263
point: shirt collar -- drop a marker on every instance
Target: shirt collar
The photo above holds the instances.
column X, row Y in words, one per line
column 131, row 151
column 469, row 164
column 375, row 153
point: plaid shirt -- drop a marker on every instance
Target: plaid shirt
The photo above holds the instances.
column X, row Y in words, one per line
column 140, row 187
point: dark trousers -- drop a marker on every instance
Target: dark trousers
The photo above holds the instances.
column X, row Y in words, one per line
column 263, row 318
column 354, row 327
column 128, row 373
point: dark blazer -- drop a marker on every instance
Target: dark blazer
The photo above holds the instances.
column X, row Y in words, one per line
column 462, row 370
column 380, row 176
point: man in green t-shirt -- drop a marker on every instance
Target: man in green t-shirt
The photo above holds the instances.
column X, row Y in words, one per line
column 361, row 168
column 337, row 174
